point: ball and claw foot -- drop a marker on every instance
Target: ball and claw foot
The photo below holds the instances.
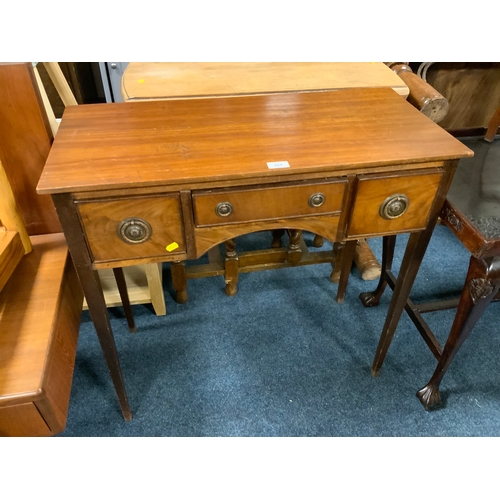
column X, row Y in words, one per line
column 369, row 299
column 429, row 396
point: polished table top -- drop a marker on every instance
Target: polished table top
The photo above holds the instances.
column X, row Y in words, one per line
column 109, row 146
column 164, row 80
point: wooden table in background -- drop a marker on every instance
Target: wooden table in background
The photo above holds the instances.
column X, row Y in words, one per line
column 153, row 81
column 165, row 181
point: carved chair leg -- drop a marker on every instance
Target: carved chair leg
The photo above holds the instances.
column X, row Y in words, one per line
column 277, row 235
column 179, row 281
column 293, row 251
column 346, row 259
column 122, row 290
column 481, row 285
column 370, row 299
column 231, row 268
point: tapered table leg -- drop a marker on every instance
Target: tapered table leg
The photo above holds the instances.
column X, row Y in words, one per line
column 122, row 289
column 370, row 299
column 414, row 253
column 91, row 285
column 481, row 285
column 336, row 262
column 346, row 260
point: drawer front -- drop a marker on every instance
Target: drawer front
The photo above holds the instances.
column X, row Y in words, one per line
column 393, row 204
column 246, row 205
column 133, row 227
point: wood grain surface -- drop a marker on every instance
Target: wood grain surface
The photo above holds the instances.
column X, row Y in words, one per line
column 11, row 253
column 10, row 216
column 163, row 80
column 107, row 146
column 101, row 220
column 25, row 141
column 267, row 203
column 27, row 308
column 373, row 191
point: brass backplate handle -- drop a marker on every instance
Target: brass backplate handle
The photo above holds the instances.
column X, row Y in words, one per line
column 224, row 209
column 316, row 200
column 394, row 206
column 134, row 230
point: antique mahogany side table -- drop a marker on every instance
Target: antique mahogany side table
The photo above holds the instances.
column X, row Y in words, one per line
column 147, row 81
column 162, row 181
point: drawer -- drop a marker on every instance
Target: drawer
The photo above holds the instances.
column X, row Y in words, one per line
column 133, row 227
column 393, row 204
column 217, row 207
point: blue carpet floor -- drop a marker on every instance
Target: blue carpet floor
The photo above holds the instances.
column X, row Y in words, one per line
column 282, row 358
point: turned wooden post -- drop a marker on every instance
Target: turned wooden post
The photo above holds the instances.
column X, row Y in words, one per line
column 422, row 95
column 231, row 268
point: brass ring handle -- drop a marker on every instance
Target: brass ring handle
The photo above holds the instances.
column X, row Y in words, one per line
column 394, row 206
column 134, row 230
column 224, row 209
column 316, row 200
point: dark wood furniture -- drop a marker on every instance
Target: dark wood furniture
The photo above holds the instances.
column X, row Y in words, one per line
column 169, row 180
column 472, row 212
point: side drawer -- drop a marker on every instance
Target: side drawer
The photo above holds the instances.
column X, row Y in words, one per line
column 133, row 227
column 227, row 206
column 386, row 204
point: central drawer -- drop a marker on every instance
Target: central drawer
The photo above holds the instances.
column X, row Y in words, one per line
column 226, row 206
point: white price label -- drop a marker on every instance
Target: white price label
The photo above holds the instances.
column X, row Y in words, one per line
column 278, row 164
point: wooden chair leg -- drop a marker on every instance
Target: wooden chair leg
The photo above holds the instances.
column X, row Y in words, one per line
column 231, row 268
column 318, row 241
column 277, row 235
column 481, row 285
column 179, row 281
column 122, row 289
column 294, row 252
column 155, row 285
column 493, row 126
